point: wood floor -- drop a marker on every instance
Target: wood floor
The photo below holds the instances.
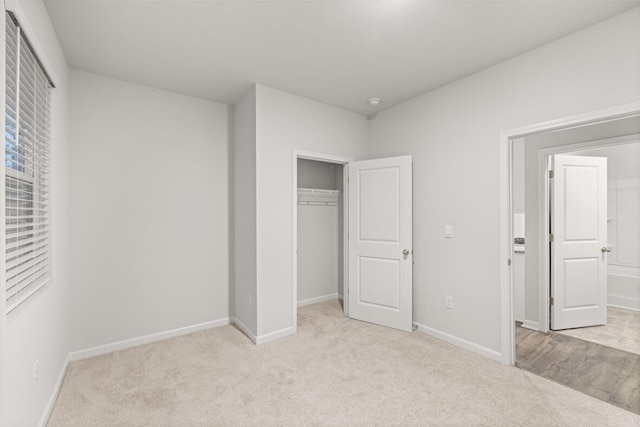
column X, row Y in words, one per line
column 622, row 330
column 605, row 373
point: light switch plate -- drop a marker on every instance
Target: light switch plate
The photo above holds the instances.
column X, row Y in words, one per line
column 448, row 231
column 448, row 302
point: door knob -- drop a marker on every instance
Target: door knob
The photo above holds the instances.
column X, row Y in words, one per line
column 605, row 249
column 405, row 252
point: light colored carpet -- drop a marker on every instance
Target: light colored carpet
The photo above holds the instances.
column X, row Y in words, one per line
column 335, row 371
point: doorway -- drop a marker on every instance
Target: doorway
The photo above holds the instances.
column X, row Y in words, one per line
column 320, row 230
column 583, row 365
column 622, row 250
column 532, row 226
column 320, row 225
column 591, row 126
column 371, row 267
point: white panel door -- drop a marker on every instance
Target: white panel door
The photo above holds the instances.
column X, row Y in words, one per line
column 380, row 242
column 579, row 248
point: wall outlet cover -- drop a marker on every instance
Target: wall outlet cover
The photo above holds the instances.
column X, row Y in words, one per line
column 448, row 302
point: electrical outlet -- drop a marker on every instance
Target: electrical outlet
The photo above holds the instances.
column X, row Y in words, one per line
column 448, row 302
column 36, row 371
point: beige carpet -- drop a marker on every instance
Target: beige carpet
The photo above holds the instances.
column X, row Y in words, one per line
column 335, row 371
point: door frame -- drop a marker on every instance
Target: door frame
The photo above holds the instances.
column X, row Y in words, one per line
column 507, row 324
column 327, row 158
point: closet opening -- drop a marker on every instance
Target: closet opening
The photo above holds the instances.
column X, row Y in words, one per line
column 320, row 231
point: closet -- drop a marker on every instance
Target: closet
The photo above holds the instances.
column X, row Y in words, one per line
column 320, row 211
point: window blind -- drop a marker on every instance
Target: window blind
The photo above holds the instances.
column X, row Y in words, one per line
column 26, row 169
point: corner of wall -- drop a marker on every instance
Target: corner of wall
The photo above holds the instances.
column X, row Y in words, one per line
column 243, row 187
column 231, row 207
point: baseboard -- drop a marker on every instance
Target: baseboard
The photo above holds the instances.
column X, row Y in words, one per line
column 459, row 342
column 262, row 339
column 531, row 325
column 317, row 300
column 624, row 287
column 245, row 330
column 146, row 339
column 54, row 393
column 272, row 336
column 623, row 302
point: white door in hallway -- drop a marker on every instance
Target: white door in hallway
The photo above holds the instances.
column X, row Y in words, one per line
column 579, row 248
column 380, row 242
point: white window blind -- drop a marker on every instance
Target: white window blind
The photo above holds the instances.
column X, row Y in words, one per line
column 26, row 169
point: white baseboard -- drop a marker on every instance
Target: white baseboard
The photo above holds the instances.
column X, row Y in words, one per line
column 624, row 287
column 459, row 342
column 272, row 336
column 531, row 325
column 623, row 302
column 317, row 300
column 54, row 394
column 262, row 339
column 245, row 330
column 146, row 339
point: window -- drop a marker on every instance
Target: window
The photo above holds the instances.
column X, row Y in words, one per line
column 26, row 169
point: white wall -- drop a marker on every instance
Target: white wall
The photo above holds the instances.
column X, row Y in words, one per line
column 517, row 166
column 244, row 212
column 518, row 258
column 149, row 210
column 314, row 174
column 341, row 234
column 453, row 135
column 317, row 251
column 623, row 160
column 286, row 122
column 39, row 328
column 624, row 237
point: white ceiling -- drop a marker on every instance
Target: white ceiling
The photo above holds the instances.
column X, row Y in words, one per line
column 338, row 52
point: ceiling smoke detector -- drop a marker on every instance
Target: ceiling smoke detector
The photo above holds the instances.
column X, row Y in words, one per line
column 374, row 102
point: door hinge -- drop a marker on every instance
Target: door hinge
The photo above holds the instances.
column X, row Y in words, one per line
column 550, row 174
column 551, row 237
column 509, row 261
column 551, row 301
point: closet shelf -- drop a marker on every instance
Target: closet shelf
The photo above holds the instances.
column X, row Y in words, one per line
column 318, row 197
